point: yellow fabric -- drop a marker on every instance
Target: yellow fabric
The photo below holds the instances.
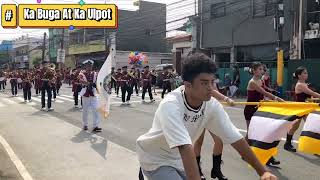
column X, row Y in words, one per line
column 264, row 155
column 309, row 145
column 287, row 111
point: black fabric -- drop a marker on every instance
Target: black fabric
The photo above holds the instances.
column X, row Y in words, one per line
column 263, row 145
column 14, row 87
column 276, row 116
column 311, row 134
column 126, row 89
column 27, row 93
column 144, row 90
column 46, row 88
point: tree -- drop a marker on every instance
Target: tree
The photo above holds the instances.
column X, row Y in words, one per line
column 36, row 61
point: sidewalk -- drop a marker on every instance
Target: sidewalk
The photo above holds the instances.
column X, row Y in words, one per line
column 52, row 149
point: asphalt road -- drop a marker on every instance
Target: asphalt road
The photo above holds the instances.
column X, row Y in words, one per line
column 51, row 145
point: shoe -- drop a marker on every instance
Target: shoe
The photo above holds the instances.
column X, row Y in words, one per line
column 272, row 161
column 128, row 102
column 143, row 101
column 54, row 100
column 76, row 106
column 152, row 100
column 97, row 129
column 289, row 147
column 43, row 109
column 50, row 109
column 216, row 168
column 137, row 94
column 85, row 128
column 30, row 100
column 25, row 101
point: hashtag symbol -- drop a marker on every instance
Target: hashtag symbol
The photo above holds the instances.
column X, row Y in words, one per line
column 8, row 15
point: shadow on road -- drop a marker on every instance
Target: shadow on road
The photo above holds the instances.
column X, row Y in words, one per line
column 314, row 160
column 98, row 144
column 276, row 171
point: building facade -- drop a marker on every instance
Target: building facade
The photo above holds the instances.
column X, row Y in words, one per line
column 26, row 50
column 142, row 30
column 243, row 31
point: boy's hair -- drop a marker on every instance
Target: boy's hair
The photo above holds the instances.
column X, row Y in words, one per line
column 196, row 64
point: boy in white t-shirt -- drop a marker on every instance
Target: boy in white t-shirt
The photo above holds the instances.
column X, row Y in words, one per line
column 166, row 151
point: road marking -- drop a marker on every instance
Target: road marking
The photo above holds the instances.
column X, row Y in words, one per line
column 28, row 103
column 282, row 139
column 8, row 101
column 67, row 96
column 58, row 101
column 16, row 161
column 36, row 99
column 66, row 99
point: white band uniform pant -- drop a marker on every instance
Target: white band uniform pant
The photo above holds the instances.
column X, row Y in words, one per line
column 90, row 103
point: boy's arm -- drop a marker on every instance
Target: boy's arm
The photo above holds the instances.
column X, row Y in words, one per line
column 244, row 150
column 189, row 162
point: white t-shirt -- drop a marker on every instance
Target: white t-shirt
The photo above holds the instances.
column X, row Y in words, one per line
column 176, row 123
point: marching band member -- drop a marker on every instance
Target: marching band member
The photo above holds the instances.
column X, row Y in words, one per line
column 113, row 80
column 76, row 86
column 14, row 83
column 46, row 76
column 135, row 74
column 117, row 77
column 37, row 82
column 125, row 81
column 146, row 83
column 303, row 92
column 59, row 77
column 2, row 79
column 167, row 76
column 26, row 87
column 256, row 93
column 89, row 99
column 53, row 87
column 153, row 80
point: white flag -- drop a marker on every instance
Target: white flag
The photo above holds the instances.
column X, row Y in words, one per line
column 104, row 86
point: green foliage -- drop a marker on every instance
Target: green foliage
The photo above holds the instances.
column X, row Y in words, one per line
column 36, row 61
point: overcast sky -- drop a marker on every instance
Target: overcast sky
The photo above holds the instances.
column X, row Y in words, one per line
column 185, row 8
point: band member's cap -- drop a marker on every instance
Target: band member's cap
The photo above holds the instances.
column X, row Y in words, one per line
column 124, row 67
column 146, row 67
column 119, row 69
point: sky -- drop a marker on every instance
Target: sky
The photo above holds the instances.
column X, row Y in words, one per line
column 176, row 11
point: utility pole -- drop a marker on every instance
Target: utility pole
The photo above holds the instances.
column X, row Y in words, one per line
column 44, row 47
column 195, row 7
column 279, row 22
column 198, row 26
column 62, row 48
column 300, row 30
column 106, row 42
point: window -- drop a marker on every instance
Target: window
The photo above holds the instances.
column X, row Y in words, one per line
column 259, row 8
column 262, row 8
column 218, row 10
column 271, row 7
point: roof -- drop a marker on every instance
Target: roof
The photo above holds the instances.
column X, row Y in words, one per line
column 180, row 38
